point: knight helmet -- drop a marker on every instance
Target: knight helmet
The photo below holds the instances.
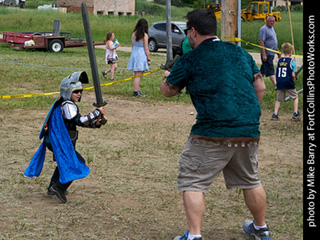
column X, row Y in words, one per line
column 71, row 83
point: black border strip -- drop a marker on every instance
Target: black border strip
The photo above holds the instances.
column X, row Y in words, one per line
column 311, row 34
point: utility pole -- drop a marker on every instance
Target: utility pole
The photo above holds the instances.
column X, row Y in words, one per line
column 229, row 19
column 294, row 52
column 169, row 33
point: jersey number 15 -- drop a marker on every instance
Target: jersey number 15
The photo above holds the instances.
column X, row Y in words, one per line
column 282, row 72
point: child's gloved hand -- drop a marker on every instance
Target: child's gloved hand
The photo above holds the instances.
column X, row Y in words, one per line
column 102, row 120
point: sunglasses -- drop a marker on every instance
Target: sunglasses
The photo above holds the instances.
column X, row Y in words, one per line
column 187, row 29
column 77, row 91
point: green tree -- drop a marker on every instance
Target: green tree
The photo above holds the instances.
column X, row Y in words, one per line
column 187, row 2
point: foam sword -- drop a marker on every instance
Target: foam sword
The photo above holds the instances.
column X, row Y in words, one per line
column 92, row 58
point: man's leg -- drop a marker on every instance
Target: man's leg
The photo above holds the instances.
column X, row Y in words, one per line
column 255, row 199
column 194, row 204
column 273, row 80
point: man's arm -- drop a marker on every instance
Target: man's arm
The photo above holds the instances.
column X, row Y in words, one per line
column 166, row 88
column 259, row 86
column 279, row 54
column 263, row 51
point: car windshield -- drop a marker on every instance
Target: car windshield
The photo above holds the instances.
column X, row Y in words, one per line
column 182, row 26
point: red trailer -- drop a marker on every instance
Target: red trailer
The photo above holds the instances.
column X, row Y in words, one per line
column 43, row 40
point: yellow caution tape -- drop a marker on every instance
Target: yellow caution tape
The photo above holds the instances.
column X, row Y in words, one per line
column 235, row 39
column 28, row 95
column 88, row 88
column 126, row 79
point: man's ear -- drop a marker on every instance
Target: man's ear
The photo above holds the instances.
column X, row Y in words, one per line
column 194, row 32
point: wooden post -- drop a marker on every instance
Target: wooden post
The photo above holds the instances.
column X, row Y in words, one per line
column 294, row 52
column 239, row 21
column 229, row 19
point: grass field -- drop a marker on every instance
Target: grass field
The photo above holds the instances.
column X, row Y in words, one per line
column 131, row 192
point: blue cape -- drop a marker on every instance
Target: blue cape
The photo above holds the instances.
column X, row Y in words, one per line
column 70, row 167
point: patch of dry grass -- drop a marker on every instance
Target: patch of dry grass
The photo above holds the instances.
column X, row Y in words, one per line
column 131, row 191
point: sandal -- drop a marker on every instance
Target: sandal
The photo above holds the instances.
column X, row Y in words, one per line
column 104, row 74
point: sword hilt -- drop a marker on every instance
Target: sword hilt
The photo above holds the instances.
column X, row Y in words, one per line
column 101, row 104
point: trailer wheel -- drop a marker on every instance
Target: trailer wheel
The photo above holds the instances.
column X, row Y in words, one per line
column 56, row 45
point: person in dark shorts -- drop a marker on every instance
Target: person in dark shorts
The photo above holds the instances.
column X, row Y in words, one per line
column 268, row 39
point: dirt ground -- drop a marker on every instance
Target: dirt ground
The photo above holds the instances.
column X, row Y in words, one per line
column 131, row 191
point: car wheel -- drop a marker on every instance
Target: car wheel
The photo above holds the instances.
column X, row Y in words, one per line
column 153, row 45
column 56, row 45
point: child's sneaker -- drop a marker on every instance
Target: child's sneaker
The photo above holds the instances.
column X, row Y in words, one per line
column 262, row 234
column 275, row 117
column 141, row 94
column 138, row 94
column 185, row 237
column 296, row 116
column 66, row 192
column 58, row 192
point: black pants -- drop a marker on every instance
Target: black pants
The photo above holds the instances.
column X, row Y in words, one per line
column 56, row 174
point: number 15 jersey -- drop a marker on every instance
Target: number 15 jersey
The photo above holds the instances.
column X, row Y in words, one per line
column 285, row 67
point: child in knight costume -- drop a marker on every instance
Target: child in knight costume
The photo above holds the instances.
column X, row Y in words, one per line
column 59, row 135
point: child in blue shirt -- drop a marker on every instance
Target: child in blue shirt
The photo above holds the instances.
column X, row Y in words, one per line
column 285, row 76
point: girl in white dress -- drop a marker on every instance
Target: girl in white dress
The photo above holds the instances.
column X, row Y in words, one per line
column 111, row 55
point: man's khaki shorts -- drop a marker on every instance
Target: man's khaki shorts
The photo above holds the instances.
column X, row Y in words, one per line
column 202, row 161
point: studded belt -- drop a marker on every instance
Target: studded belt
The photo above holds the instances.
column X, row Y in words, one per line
column 230, row 142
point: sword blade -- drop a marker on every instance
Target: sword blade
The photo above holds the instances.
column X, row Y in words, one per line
column 301, row 90
column 92, row 56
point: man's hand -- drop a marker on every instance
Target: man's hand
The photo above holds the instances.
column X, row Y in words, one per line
column 166, row 88
column 264, row 58
column 166, row 74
